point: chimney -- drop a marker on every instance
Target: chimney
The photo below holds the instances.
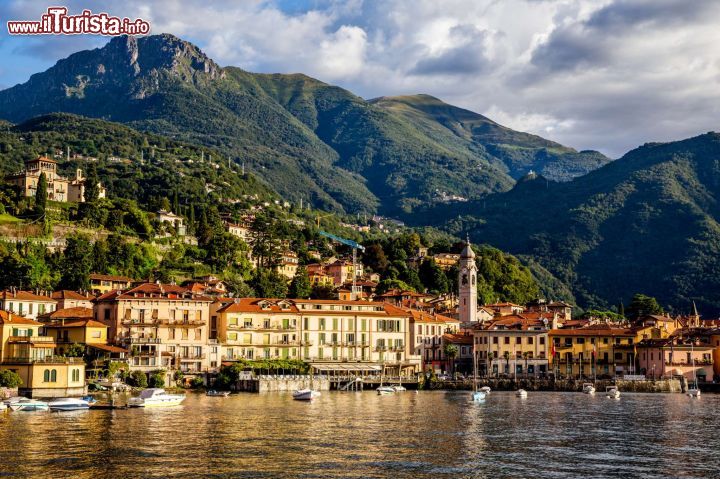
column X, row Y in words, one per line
column 554, row 323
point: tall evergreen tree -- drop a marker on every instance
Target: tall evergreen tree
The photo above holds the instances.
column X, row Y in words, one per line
column 77, row 263
column 92, row 184
column 300, row 287
column 41, row 195
column 176, row 203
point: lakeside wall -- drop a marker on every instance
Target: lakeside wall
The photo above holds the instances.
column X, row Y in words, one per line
column 281, row 383
column 569, row 385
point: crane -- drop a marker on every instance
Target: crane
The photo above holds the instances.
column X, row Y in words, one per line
column 355, row 246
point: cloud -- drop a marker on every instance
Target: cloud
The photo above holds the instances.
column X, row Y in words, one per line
column 600, row 74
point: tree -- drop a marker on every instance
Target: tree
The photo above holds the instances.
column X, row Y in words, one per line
column 77, row 263
column 642, row 305
column 41, row 195
column 223, row 250
column 506, row 355
column 176, row 203
column 92, row 184
column 268, row 284
column 374, row 258
column 433, row 277
column 100, row 257
column 387, row 284
column 300, row 287
column 451, row 352
column 75, row 350
column 323, row 291
column 157, row 379
column 10, row 379
column 138, row 379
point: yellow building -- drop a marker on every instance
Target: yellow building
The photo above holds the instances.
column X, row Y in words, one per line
column 74, row 326
column 26, row 303
column 104, row 283
column 514, row 345
column 317, row 331
column 602, row 349
column 288, row 265
column 32, row 357
column 58, row 188
column 426, row 336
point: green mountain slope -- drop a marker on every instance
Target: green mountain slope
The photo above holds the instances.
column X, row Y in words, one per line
column 645, row 223
column 302, row 137
column 518, row 152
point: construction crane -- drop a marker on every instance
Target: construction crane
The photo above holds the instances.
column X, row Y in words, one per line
column 355, row 246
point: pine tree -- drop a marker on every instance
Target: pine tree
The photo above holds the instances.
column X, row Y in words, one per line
column 300, row 287
column 41, row 195
column 92, row 184
column 176, row 203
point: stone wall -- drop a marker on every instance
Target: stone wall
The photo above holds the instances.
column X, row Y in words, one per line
column 6, row 393
column 281, row 383
column 570, row 385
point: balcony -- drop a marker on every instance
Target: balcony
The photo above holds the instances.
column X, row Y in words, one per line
column 181, row 322
column 49, row 340
column 142, row 340
column 191, row 357
column 46, row 360
column 147, row 322
column 306, row 343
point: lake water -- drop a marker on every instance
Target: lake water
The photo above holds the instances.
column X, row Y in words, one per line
column 408, row 435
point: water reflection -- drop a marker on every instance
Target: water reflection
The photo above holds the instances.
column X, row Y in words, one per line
column 431, row 434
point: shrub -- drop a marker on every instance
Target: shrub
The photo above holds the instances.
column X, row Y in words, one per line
column 10, row 379
column 138, row 379
column 157, row 379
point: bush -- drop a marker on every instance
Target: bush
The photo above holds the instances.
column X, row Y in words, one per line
column 138, row 379
column 157, row 379
column 10, row 379
column 197, row 382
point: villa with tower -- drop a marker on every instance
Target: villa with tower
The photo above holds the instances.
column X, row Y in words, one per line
column 58, row 188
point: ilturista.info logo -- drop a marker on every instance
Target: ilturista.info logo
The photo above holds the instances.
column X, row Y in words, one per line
column 56, row 21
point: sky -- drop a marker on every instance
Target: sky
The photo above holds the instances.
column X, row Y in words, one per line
column 607, row 75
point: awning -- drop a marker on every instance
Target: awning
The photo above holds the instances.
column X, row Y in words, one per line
column 347, row 367
column 108, row 348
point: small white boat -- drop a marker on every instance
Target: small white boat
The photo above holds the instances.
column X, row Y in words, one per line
column 588, row 388
column 385, row 390
column 29, row 405
column 156, row 397
column 693, row 393
column 220, row 394
column 485, row 389
column 305, row 394
column 398, row 388
column 612, row 392
column 478, row 396
column 69, row 404
column 14, row 399
column 521, row 393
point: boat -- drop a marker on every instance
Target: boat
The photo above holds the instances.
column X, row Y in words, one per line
column 693, row 392
column 477, row 395
column 385, row 390
column 70, row 404
column 612, row 392
column 588, row 388
column 485, row 389
column 305, row 394
column 214, row 393
column 14, row 399
column 29, row 405
column 156, row 397
column 521, row 393
column 398, row 387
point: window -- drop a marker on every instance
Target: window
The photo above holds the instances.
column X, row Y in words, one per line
column 53, row 376
column 531, row 340
column 46, row 376
column 507, row 339
column 75, row 375
column 581, row 340
column 335, row 324
column 518, row 340
column 618, row 356
column 495, row 340
column 184, row 333
column 321, row 324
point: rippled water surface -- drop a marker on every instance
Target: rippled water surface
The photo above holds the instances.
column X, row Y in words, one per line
column 430, row 434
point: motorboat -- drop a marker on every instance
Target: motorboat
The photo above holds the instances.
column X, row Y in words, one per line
column 485, row 389
column 588, row 388
column 521, row 393
column 305, row 394
column 612, row 392
column 385, row 390
column 218, row 394
column 70, row 404
column 693, row 392
column 156, row 397
column 14, row 399
column 398, row 388
column 29, row 405
column 478, row 396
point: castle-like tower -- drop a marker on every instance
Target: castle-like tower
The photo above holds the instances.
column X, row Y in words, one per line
column 467, row 281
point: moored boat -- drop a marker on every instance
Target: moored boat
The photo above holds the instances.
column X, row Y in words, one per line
column 29, row 405
column 305, row 394
column 398, row 387
column 521, row 393
column 70, row 404
column 220, row 394
column 588, row 388
column 156, row 397
column 485, row 389
column 612, row 392
column 14, row 399
column 385, row 390
column 478, row 396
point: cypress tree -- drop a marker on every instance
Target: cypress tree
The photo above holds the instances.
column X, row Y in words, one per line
column 41, row 195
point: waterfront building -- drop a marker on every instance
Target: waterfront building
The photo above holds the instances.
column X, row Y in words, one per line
column 515, row 344
column 104, row 283
column 426, row 337
column 686, row 355
column 32, row 356
column 26, row 303
column 461, row 362
column 162, row 325
column 317, row 331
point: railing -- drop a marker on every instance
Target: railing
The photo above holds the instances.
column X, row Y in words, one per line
column 181, row 322
column 187, row 357
column 142, row 340
column 31, row 339
column 47, row 360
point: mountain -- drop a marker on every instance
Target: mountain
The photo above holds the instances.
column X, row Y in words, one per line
column 648, row 222
column 304, row 138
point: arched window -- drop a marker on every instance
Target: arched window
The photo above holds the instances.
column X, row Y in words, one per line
column 53, row 376
column 46, row 376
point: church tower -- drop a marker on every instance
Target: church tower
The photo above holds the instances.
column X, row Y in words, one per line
column 467, row 282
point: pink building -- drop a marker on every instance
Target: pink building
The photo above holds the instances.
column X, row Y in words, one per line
column 662, row 358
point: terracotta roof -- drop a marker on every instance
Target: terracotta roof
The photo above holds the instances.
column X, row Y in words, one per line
column 68, row 313
column 502, row 305
column 76, row 323
column 458, row 338
column 163, row 292
column 602, row 329
column 520, row 321
column 107, row 347
column 253, row 305
column 67, row 294
column 110, row 277
column 7, row 317
column 25, row 296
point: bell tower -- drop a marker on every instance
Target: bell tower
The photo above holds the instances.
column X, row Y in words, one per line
column 467, row 285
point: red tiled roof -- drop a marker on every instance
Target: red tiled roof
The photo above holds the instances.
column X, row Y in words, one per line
column 67, row 294
column 25, row 296
column 603, row 329
column 76, row 323
column 7, row 317
column 162, row 292
column 458, row 338
column 69, row 313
